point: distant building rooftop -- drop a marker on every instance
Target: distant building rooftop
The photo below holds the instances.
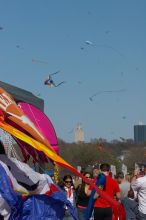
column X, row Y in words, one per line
column 140, row 133
column 23, row 95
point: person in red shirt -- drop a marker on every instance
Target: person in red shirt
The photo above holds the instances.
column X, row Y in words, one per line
column 102, row 208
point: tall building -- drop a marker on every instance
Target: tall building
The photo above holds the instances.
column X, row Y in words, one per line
column 79, row 134
column 140, row 133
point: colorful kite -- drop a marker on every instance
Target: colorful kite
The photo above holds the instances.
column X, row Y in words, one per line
column 14, row 115
column 43, row 124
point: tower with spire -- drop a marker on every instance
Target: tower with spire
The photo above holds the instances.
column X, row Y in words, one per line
column 79, row 134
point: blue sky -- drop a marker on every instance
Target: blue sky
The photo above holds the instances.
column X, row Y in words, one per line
column 54, row 31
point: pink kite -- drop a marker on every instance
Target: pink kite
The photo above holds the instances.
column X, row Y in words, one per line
column 42, row 122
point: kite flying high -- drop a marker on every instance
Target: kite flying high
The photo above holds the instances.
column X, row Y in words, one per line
column 89, row 42
column 91, row 98
column 50, row 82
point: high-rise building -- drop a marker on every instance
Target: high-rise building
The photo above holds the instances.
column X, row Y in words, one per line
column 140, row 133
column 79, row 134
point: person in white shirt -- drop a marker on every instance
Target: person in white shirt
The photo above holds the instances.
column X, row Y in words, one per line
column 70, row 194
column 138, row 184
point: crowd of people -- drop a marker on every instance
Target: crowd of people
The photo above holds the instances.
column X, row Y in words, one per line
column 128, row 190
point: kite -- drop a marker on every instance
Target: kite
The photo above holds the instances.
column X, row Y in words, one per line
column 107, row 31
column 19, row 47
column 50, row 82
column 14, row 115
column 30, row 120
column 42, row 123
column 91, row 98
column 39, row 61
column 88, row 42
